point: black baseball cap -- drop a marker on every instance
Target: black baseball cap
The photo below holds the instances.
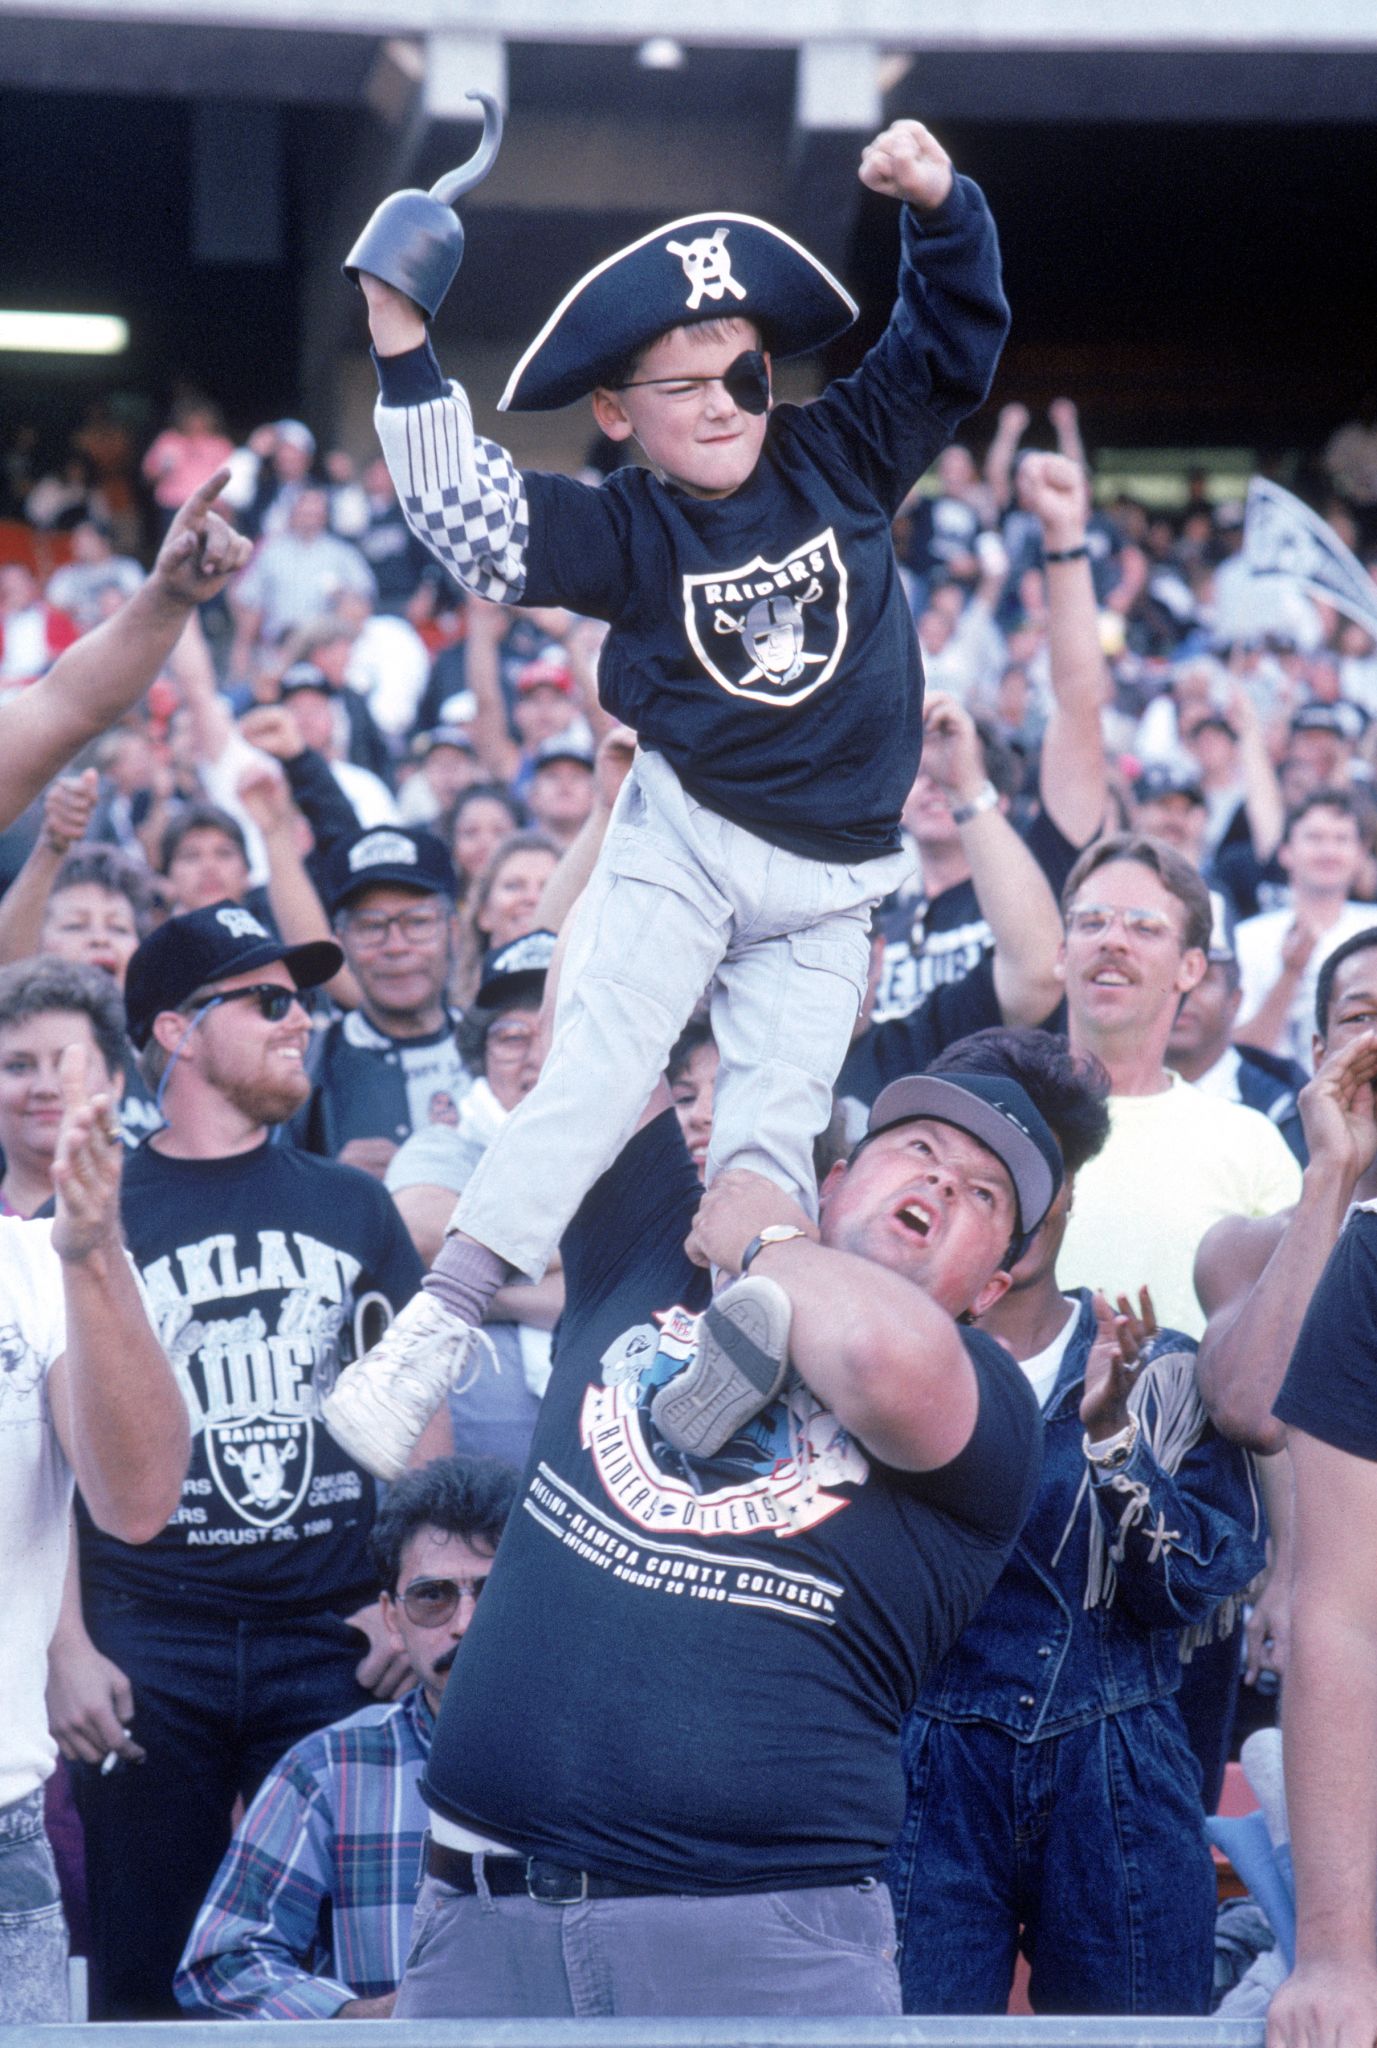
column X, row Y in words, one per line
column 999, row 1114
column 455, row 736
column 1161, row 779
column 515, row 970
column 207, row 946
column 1344, row 719
column 562, row 746
column 304, row 675
column 408, row 858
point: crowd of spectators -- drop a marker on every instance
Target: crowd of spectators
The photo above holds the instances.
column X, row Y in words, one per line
column 1145, row 832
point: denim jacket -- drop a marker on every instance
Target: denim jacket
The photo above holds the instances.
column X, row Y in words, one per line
column 1037, row 1659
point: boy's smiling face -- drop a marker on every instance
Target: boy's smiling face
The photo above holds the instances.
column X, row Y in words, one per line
column 691, row 429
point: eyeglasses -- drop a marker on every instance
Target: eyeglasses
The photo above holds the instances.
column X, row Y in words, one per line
column 1093, row 920
column 745, row 381
column 370, row 928
column 274, row 1001
column 431, row 1602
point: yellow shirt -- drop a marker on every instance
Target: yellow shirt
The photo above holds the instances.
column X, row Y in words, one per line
column 1174, row 1164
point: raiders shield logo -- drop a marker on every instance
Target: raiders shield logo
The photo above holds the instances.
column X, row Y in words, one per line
column 771, row 631
column 262, row 1466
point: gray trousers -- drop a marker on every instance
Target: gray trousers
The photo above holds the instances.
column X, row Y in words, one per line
column 828, row 1950
column 33, row 1933
column 681, row 898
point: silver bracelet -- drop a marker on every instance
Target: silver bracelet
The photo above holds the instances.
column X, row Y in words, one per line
column 985, row 799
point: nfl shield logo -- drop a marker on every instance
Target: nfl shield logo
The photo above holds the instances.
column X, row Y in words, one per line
column 771, row 631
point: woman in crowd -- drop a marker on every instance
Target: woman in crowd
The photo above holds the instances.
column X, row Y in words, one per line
column 485, row 815
column 692, row 1075
column 503, row 905
column 45, row 1006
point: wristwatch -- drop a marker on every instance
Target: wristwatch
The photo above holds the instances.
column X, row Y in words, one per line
column 985, row 799
column 773, row 1233
column 1112, row 1452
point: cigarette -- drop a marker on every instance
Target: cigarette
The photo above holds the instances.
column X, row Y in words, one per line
column 112, row 1758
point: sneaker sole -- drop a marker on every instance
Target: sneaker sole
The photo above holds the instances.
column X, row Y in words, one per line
column 742, row 1362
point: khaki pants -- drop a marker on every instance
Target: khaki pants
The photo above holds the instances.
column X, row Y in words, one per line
column 680, row 898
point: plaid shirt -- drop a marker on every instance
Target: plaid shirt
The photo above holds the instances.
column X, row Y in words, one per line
column 313, row 1903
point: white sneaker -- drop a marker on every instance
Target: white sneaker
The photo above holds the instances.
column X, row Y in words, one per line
column 383, row 1402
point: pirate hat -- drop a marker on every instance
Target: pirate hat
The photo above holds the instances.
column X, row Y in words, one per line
column 707, row 266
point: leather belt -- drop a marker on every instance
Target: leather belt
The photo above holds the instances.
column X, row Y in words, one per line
column 532, row 1877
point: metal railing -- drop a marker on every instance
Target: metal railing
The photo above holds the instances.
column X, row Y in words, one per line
column 1003, row 2032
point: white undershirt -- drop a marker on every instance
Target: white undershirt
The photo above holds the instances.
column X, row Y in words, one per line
column 452, row 1836
column 1042, row 1368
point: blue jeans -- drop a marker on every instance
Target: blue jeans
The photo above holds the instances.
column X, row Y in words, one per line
column 33, row 1933
column 1091, row 1843
column 215, row 1706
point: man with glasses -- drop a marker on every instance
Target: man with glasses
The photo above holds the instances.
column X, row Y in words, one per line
column 1138, row 921
column 390, row 1067
column 251, row 1620
column 310, row 1914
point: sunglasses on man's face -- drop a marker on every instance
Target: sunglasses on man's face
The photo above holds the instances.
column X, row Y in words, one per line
column 431, row 1602
column 273, row 1000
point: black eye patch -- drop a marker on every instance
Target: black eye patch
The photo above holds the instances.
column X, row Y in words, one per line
column 747, row 382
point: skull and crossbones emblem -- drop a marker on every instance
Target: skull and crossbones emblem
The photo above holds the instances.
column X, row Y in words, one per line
column 708, row 268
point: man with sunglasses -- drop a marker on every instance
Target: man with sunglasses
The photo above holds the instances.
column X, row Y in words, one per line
column 1138, row 921
column 310, row 1914
column 252, row 1619
column 390, row 1067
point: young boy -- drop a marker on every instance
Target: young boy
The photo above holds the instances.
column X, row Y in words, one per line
column 762, row 649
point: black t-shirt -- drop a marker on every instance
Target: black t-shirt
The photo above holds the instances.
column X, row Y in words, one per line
column 266, row 1273
column 692, row 1673
column 942, row 531
column 368, row 1084
column 906, row 1045
column 1330, row 1389
column 762, row 642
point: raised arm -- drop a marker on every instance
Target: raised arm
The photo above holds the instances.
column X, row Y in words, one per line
column 117, row 1409
column 1010, row 428
column 1255, row 1277
column 462, row 495
column 1329, row 1721
column 96, row 681
column 1263, row 803
column 297, row 910
column 1073, row 785
column 487, row 628
column 1010, row 887
column 67, row 809
column 936, row 359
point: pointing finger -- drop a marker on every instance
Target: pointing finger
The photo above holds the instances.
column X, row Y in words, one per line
column 74, row 1076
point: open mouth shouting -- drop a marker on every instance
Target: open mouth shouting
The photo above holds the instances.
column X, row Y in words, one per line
column 917, row 1217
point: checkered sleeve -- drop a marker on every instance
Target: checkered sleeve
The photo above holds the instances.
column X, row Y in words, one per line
column 462, row 495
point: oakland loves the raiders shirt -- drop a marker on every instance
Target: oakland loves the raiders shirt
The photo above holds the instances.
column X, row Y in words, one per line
column 691, row 1673
column 265, row 1274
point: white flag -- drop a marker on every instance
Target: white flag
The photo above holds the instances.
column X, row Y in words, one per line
column 1283, row 537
